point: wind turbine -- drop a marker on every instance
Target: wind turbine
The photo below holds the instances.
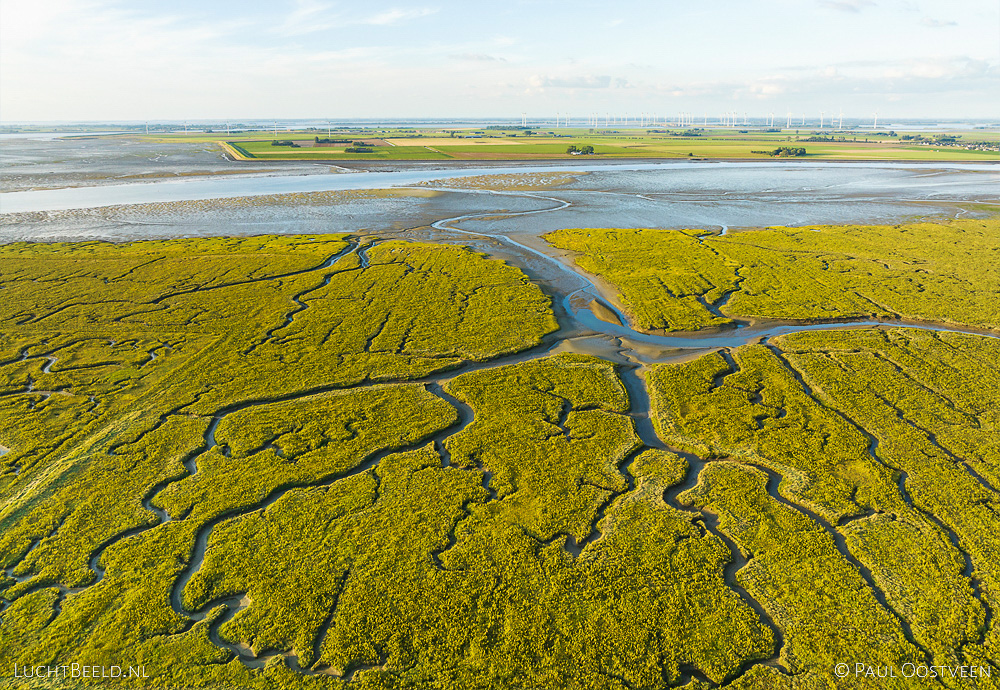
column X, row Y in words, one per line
column 875, row 126
column 788, row 123
column 821, row 114
column 841, row 125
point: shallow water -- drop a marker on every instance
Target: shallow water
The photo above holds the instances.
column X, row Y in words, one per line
column 703, row 180
column 733, row 195
column 48, row 161
column 702, row 195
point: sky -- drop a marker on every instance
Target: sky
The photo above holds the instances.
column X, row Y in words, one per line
column 226, row 59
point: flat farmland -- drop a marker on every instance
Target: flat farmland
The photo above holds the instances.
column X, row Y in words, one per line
column 307, row 151
column 622, row 144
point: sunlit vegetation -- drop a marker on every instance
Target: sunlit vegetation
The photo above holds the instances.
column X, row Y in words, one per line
column 683, row 280
column 665, row 277
column 135, row 380
column 930, row 401
column 288, row 463
column 610, row 141
column 294, row 150
column 457, row 573
column 864, row 462
column 406, row 568
column 555, row 482
column 820, row 601
column 225, row 331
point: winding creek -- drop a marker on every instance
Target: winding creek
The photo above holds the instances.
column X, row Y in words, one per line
column 576, row 297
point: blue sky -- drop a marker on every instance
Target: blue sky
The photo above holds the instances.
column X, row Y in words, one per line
column 137, row 60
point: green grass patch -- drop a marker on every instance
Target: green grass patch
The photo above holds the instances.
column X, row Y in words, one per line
column 264, row 150
column 671, row 279
column 884, row 440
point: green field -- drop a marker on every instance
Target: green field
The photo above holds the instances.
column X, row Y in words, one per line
column 707, row 142
column 329, row 461
column 264, row 151
column 681, row 280
column 867, row 441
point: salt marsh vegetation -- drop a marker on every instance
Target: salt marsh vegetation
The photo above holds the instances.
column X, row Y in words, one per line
column 325, row 461
column 683, row 280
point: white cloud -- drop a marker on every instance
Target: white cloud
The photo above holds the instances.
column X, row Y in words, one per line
column 938, row 69
column 103, row 59
column 603, row 81
column 478, row 57
column 843, row 83
column 311, row 16
column 344, row 55
column 395, row 16
column 937, row 23
column 853, row 6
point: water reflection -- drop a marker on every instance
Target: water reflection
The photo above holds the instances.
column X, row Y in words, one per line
column 703, row 179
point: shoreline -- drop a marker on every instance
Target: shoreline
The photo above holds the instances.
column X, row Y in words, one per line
column 589, row 160
column 207, row 187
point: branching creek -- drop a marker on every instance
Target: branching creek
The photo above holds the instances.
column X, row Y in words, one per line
column 577, row 299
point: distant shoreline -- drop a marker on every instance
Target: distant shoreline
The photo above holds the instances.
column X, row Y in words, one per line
column 588, row 160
